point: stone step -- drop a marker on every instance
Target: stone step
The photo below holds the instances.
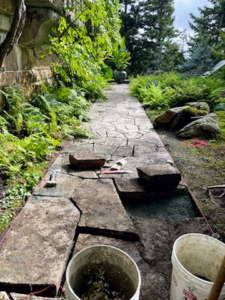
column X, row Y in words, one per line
column 133, row 190
column 102, row 210
column 36, row 250
column 159, row 177
column 130, row 190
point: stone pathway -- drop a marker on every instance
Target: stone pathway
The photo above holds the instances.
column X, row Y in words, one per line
column 85, row 208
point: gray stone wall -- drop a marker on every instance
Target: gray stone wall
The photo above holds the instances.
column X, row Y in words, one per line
column 24, row 65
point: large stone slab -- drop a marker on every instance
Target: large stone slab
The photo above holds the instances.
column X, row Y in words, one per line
column 3, row 296
column 106, row 150
column 123, row 151
column 32, row 297
column 65, row 187
column 37, row 248
column 86, row 161
column 102, row 210
column 159, row 177
column 61, row 160
column 116, row 142
column 72, row 146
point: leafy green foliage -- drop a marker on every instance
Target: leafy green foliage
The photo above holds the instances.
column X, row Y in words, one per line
column 153, row 97
column 120, row 56
column 83, row 45
column 208, row 25
column 31, row 129
column 28, row 139
column 170, row 90
column 218, row 50
column 147, row 26
column 221, row 117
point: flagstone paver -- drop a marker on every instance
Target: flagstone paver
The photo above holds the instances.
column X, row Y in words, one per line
column 38, row 247
column 62, row 188
column 4, row 296
column 102, row 210
column 15, row 296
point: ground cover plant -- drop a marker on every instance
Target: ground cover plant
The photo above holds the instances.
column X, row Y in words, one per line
column 171, row 89
column 30, row 132
column 201, row 161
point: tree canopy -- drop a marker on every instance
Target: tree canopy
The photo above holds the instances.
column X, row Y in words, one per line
column 148, row 28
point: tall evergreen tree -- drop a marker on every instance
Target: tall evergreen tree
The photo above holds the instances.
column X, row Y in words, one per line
column 199, row 62
column 208, row 25
column 148, row 28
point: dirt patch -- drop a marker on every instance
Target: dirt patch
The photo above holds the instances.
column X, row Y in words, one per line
column 176, row 208
column 157, row 237
column 201, row 167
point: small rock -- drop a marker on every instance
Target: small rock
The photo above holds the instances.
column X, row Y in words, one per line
column 160, row 177
column 84, row 161
column 203, row 127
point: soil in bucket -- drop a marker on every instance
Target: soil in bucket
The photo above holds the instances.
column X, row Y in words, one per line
column 103, row 281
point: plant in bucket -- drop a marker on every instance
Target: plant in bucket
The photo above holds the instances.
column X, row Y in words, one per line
column 120, row 60
column 102, row 272
column 196, row 260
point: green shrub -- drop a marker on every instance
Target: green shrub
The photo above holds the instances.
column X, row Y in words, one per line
column 221, row 118
column 173, row 90
column 220, row 107
column 47, row 118
column 153, row 97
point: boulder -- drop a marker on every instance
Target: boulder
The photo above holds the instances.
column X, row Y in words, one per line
column 159, row 177
column 199, row 105
column 187, row 114
column 204, row 127
column 166, row 118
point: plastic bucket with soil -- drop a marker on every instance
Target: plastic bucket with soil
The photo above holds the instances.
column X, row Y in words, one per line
column 102, row 272
column 196, row 259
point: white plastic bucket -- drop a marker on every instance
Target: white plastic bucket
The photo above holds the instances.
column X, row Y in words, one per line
column 117, row 269
column 195, row 255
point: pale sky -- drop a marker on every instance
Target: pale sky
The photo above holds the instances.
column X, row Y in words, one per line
column 182, row 10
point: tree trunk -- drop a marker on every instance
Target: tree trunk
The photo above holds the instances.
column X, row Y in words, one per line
column 15, row 29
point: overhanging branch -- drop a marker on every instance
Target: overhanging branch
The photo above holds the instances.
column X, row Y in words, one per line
column 15, row 29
